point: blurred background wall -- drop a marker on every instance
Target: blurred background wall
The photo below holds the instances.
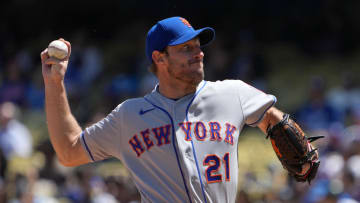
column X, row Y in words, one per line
column 306, row 53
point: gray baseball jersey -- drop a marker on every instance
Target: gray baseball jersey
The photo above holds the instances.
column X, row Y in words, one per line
column 181, row 150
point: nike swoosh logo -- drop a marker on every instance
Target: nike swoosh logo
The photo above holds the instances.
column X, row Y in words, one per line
column 142, row 112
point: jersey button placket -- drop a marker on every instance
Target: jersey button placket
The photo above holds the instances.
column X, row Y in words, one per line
column 185, row 148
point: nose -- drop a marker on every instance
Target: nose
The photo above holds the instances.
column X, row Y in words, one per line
column 199, row 54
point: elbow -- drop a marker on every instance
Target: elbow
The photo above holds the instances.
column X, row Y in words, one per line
column 71, row 163
column 73, row 156
column 68, row 158
column 68, row 152
column 65, row 161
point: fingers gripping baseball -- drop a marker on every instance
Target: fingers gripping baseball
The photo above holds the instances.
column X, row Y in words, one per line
column 54, row 67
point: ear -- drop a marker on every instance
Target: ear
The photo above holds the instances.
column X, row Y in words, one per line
column 158, row 57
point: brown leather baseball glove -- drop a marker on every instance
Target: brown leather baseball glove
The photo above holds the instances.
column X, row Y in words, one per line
column 293, row 149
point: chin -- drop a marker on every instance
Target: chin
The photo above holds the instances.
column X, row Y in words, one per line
column 197, row 77
column 191, row 75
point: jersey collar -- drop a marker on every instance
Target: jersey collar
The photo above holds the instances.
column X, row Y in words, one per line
column 156, row 95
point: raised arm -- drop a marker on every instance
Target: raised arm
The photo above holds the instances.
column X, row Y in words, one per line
column 63, row 128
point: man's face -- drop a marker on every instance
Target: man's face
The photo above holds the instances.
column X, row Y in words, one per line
column 185, row 62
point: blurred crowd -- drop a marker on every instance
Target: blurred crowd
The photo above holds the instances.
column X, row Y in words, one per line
column 106, row 69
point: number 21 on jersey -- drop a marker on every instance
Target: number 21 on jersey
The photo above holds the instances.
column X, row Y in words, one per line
column 213, row 163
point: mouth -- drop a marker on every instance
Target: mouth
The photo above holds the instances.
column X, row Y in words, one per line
column 195, row 62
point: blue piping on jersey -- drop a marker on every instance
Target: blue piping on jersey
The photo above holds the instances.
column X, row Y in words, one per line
column 192, row 143
column 87, row 148
column 173, row 142
column 262, row 115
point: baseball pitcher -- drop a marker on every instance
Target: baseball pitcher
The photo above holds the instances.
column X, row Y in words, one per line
column 179, row 142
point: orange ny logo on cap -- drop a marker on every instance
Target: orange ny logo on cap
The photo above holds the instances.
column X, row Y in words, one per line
column 185, row 22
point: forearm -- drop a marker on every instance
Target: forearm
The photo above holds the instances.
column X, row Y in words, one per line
column 271, row 118
column 63, row 128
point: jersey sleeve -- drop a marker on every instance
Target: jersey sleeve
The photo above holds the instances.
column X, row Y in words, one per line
column 254, row 103
column 101, row 140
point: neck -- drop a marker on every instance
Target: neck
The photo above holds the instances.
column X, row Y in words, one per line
column 174, row 90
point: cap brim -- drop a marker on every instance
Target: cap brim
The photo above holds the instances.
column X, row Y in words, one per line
column 206, row 35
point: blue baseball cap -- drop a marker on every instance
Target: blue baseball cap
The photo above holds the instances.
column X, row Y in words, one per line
column 174, row 31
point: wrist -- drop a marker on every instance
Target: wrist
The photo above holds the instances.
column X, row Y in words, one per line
column 54, row 84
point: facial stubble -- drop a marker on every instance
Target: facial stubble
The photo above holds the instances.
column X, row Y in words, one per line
column 186, row 73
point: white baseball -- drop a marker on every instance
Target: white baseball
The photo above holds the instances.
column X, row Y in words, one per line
column 58, row 49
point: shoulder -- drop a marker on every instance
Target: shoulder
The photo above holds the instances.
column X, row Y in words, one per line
column 225, row 85
column 131, row 105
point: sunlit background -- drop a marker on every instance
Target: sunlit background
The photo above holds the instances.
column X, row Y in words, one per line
column 306, row 53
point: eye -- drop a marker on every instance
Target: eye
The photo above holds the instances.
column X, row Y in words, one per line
column 186, row 47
